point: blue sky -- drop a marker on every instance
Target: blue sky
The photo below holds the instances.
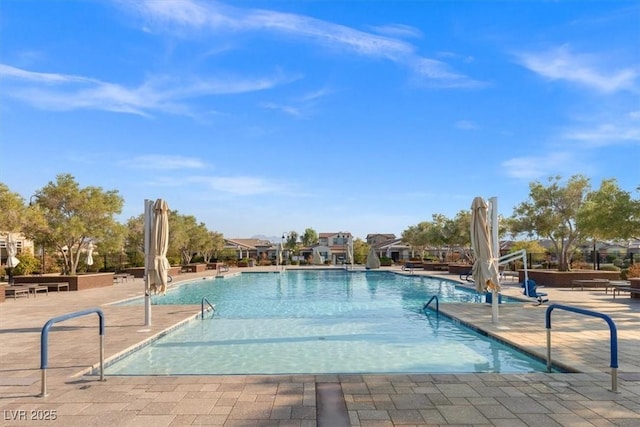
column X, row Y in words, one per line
column 260, row 117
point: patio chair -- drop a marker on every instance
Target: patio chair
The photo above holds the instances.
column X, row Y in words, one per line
column 531, row 290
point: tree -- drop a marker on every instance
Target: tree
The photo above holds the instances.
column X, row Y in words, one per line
column 13, row 211
column 291, row 242
column 416, row 236
column 609, row 213
column 73, row 217
column 360, row 251
column 214, row 245
column 187, row 236
column 551, row 212
column 309, row 237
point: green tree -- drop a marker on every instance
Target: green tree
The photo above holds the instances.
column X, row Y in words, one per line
column 291, row 242
column 214, row 245
column 609, row 213
column 73, row 217
column 551, row 212
column 360, row 251
column 187, row 236
column 417, row 237
column 309, row 237
column 13, row 214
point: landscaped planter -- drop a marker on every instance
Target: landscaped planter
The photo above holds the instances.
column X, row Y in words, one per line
column 138, row 272
column 562, row 279
column 76, row 283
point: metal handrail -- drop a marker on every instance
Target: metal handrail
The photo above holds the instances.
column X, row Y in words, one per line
column 613, row 331
column 435, row 297
column 44, row 342
column 213, row 307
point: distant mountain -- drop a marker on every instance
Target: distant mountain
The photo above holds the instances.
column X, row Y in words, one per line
column 272, row 239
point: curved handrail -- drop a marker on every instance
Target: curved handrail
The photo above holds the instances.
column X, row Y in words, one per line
column 213, row 307
column 435, row 297
column 44, row 342
column 613, row 332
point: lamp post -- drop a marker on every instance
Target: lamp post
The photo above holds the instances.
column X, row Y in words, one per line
column 43, row 270
column 285, row 236
column 345, row 238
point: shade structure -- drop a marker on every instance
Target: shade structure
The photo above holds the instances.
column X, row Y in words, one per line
column 388, row 253
column 485, row 267
column 372, row 259
column 317, row 258
column 349, row 259
column 90, row 254
column 158, row 246
column 12, row 251
column 279, row 253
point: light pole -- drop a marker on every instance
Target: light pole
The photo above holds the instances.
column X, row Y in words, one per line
column 43, row 270
column 285, row 237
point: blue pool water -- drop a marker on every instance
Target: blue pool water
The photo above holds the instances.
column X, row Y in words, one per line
column 311, row 322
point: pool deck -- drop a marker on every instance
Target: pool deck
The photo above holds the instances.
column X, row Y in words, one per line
column 540, row 399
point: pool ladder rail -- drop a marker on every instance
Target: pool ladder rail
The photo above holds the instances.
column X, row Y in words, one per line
column 211, row 307
column 435, row 297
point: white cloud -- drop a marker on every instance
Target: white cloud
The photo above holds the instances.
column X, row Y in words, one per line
column 160, row 162
column 240, row 185
column 588, row 70
column 63, row 92
column 466, row 125
column 215, row 16
column 534, row 167
column 605, row 134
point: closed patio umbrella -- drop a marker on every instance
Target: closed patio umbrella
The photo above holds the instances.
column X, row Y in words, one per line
column 12, row 261
column 12, row 251
column 90, row 254
column 317, row 258
column 485, row 267
column 372, row 259
column 159, row 244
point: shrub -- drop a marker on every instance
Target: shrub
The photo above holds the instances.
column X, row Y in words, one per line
column 633, row 271
column 609, row 267
column 28, row 264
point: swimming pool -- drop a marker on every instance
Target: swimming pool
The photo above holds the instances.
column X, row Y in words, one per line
column 314, row 322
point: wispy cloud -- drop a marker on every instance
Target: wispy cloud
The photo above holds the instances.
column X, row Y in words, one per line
column 466, row 125
column 62, row 92
column 287, row 109
column 589, row 70
column 534, row 167
column 186, row 15
column 160, row 162
column 241, row 185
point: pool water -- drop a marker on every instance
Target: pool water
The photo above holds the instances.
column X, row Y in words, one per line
column 314, row 322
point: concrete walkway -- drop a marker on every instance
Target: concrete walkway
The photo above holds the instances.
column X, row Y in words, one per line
column 578, row 399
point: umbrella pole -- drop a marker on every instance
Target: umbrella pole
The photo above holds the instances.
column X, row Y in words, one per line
column 148, row 211
column 495, row 318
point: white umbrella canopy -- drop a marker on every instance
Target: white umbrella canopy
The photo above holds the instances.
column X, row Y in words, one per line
column 12, row 251
column 317, row 258
column 90, row 254
column 158, row 246
column 279, row 253
column 485, row 267
column 350, row 252
column 372, row 259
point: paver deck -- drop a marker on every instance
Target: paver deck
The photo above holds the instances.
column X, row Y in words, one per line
column 540, row 399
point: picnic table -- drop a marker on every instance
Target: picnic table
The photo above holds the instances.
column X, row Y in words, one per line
column 591, row 283
column 34, row 289
column 56, row 286
column 15, row 291
column 120, row 277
